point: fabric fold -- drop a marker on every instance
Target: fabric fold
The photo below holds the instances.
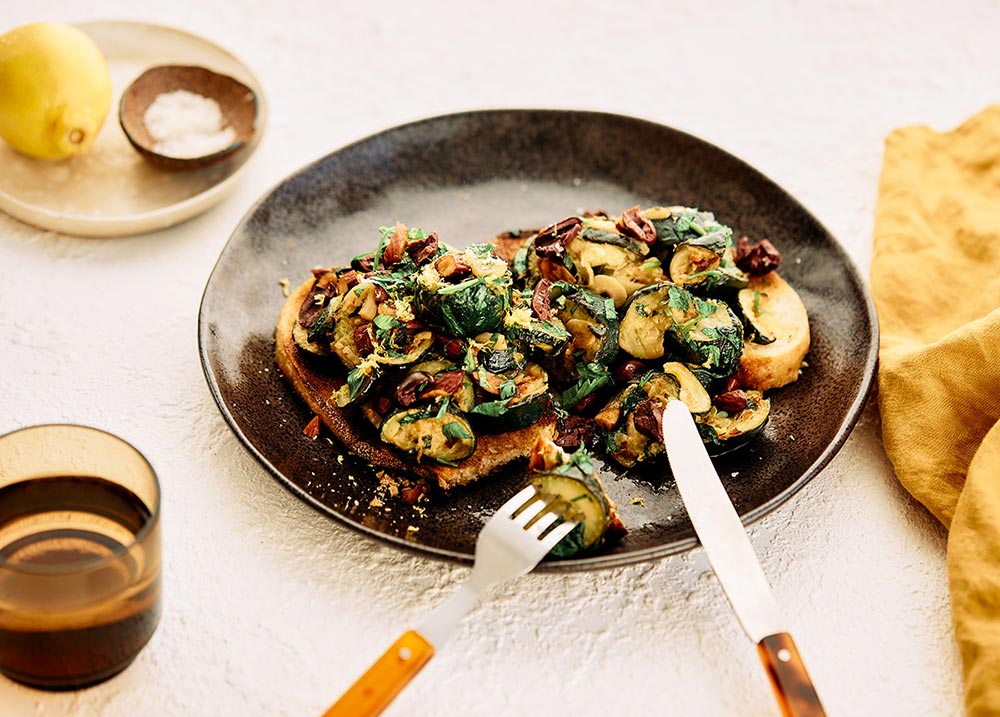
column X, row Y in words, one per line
column 936, row 286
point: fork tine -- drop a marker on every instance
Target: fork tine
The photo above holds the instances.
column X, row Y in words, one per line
column 557, row 534
column 540, row 525
column 522, row 518
column 511, row 506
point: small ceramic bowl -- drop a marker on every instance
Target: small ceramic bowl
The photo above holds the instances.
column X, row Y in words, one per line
column 237, row 102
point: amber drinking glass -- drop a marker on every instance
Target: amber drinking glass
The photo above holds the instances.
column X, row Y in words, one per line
column 79, row 555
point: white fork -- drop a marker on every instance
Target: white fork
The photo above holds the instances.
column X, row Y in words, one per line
column 511, row 543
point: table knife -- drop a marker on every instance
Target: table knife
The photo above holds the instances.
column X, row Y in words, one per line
column 733, row 559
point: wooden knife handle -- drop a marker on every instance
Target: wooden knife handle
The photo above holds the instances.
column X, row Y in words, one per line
column 792, row 687
column 385, row 679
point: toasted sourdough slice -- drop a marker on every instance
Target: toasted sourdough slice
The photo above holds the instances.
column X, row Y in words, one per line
column 778, row 311
column 315, row 385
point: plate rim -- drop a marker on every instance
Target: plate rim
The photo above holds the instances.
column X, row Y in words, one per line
column 595, row 562
column 84, row 225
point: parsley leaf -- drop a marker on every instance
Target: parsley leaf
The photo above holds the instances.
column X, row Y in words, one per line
column 386, row 322
column 354, row 380
column 492, row 408
column 678, row 298
column 455, row 431
column 593, row 376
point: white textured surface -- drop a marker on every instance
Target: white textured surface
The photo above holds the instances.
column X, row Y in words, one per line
column 272, row 609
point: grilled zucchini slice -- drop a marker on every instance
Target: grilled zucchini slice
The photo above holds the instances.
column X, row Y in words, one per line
column 522, row 399
column 625, row 442
column 572, row 483
column 430, row 432
column 705, row 332
column 544, row 337
column 723, row 432
column 592, row 321
column 690, row 390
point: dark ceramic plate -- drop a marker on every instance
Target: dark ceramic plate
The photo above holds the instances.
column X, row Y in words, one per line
column 470, row 176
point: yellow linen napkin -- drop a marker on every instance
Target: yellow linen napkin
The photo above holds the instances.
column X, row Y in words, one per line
column 936, row 285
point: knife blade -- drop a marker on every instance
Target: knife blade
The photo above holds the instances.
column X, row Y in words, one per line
column 732, row 557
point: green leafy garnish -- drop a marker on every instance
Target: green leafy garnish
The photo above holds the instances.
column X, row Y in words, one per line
column 354, row 380
column 462, row 286
column 455, row 431
column 592, row 377
column 678, row 298
column 491, row 408
column 386, row 322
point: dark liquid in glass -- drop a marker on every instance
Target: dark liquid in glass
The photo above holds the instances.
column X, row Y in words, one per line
column 52, row 634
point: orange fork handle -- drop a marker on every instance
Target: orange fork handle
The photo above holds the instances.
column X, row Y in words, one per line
column 385, row 679
column 792, row 687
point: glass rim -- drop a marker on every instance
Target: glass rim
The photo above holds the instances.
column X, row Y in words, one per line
column 91, row 563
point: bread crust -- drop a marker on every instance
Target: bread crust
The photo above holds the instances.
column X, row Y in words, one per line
column 315, row 385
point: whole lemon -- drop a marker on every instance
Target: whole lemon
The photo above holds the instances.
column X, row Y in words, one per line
column 55, row 90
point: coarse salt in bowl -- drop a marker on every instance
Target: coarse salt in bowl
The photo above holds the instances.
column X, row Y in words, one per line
column 185, row 116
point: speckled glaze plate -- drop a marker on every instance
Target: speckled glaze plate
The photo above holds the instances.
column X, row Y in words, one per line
column 469, row 176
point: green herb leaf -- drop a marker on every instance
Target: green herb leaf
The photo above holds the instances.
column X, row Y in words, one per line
column 678, row 298
column 354, row 380
column 455, row 431
column 592, row 377
column 462, row 286
column 684, row 221
column 569, row 546
column 491, row 408
column 386, row 322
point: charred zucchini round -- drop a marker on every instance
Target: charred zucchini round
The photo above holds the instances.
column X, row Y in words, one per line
column 628, row 446
column 430, row 432
column 690, row 390
column 646, row 320
column 705, row 332
column 544, row 337
column 592, row 321
column 465, row 293
column 570, row 482
column 695, row 259
column 399, row 347
column 631, row 418
column 521, row 398
column 584, row 500
column 723, row 432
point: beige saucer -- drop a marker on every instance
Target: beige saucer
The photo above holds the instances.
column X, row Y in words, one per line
column 110, row 190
